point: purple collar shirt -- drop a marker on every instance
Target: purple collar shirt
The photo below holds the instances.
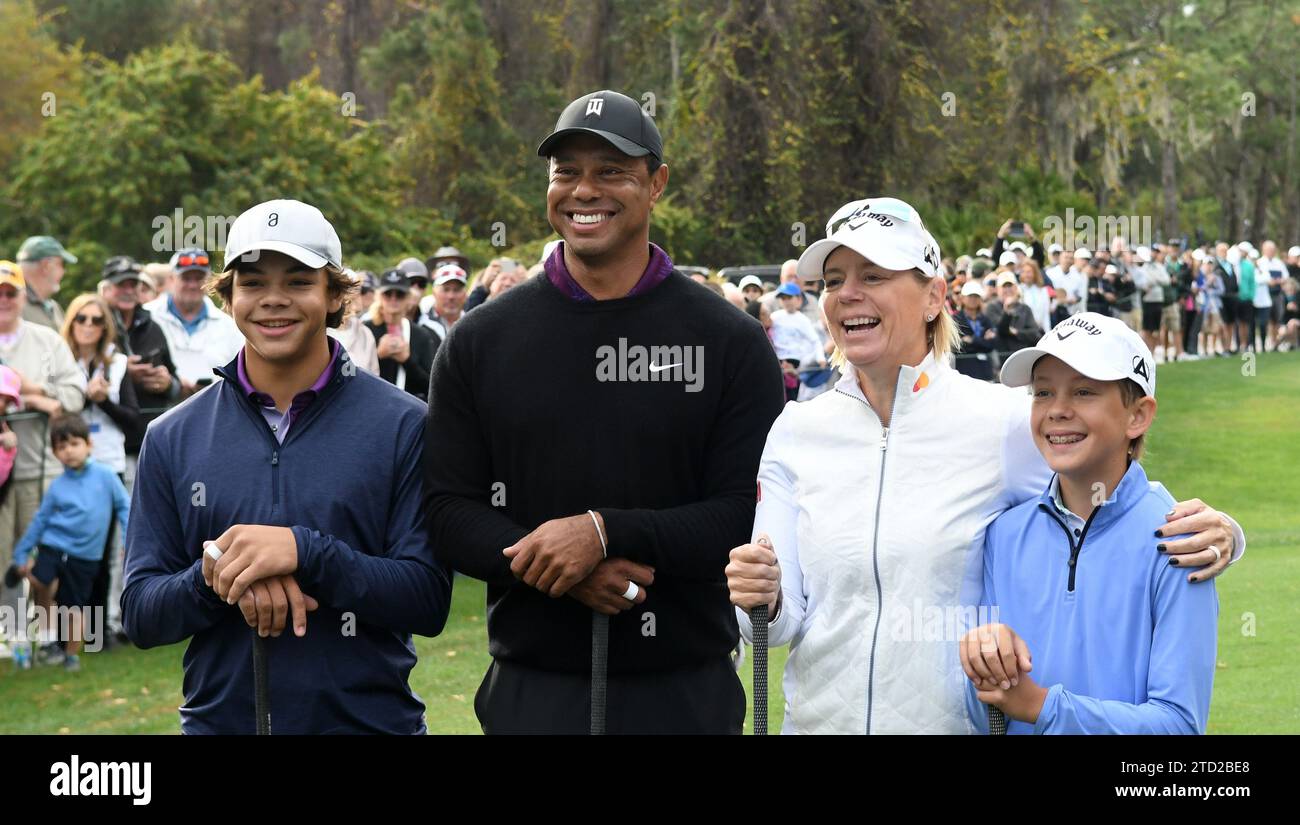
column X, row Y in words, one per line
column 280, row 422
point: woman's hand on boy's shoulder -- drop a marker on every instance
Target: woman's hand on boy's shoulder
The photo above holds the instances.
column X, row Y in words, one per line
column 1209, row 541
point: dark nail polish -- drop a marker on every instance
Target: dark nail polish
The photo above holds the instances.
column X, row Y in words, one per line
column 1159, row 535
column 1161, row 548
column 1173, row 562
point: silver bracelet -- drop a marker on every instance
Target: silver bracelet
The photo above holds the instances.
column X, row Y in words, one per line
column 604, row 545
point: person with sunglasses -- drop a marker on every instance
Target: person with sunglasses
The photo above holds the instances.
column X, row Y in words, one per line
column 200, row 336
column 49, row 383
column 112, row 414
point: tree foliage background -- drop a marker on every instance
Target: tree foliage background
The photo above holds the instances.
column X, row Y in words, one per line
column 414, row 123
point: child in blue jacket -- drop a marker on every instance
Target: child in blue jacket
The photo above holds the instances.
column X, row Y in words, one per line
column 68, row 534
column 1117, row 640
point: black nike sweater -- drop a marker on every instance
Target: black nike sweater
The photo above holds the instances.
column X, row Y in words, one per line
column 652, row 410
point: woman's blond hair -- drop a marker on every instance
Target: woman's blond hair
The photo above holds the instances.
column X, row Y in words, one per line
column 100, row 358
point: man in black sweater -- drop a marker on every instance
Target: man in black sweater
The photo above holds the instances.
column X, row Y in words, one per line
column 592, row 444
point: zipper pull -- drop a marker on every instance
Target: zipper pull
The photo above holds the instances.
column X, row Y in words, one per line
column 884, row 438
column 275, row 457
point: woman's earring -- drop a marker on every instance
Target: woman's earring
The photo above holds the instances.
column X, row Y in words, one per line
column 929, row 318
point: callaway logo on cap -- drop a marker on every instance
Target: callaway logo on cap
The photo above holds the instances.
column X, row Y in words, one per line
column 885, row 231
column 294, row 228
column 1100, row 347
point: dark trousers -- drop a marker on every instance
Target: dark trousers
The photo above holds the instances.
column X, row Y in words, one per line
column 514, row 699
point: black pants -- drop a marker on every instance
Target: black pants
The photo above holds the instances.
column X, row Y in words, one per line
column 515, row 699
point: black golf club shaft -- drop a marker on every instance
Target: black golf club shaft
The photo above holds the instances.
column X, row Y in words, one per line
column 997, row 722
column 758, row 619
column 599, row 670
column 261, row 691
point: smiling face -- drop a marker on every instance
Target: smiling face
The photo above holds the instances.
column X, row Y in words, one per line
column 877, row 316
column 280, row 304
column 188, row 289
column 1082, row 426
column 599, row 199
column 124, row 295
column 11, row 307
column 88, row 325
column 449, row 298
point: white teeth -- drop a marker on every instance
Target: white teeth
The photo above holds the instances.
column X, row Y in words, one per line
column 588, row 218
column 1064, row 439
column 855, row 322
column 276, row 324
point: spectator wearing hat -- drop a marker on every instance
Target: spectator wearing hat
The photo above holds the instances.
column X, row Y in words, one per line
column 51, row 383
column 446, row 255
column 627, row 477
column 789, row 275
column 312, row 504
column 448, row 300
column 354, row 335
column 365, row 292
column 405, row 350
column 42, row 258
column 793, row 336
column 978, row 334
column 417, row 274
column 143, row 343
column 1012, row 317
column 1058, row 266
column 200, row 336
column 751, row 288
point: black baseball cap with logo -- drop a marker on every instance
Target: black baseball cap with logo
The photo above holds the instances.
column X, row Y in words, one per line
column 394, row 279
column 610, row 115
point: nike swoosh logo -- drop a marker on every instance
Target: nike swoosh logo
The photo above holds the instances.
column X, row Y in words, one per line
column 1061, row 337
column 654, row 368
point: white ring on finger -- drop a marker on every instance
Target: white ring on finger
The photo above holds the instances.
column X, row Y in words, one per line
column 632, row 591
column 1217, row 554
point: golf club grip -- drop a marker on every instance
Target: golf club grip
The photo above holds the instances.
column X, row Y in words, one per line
column 758, row 620
column 261, row 691
column 997, row 722
column 599, row 671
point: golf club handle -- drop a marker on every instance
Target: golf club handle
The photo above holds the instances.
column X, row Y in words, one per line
column 261, row 690
column 599, row 671
column 997, row 722
column 758, row 621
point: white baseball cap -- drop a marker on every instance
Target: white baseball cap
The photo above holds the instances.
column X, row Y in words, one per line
column 1006, row 258
column 1144, row 254
column 751, row 280
column 983, row 252
column 1294, row 252
column 297, row 229
column 1007, row 278
column 1111, row 269
column 1198, row 255
column 886, row 231
column 448, row 272
column 1083, row 252
column 972, row 288
column 1100, row 347
column 1054, row 248
column 1017, row 246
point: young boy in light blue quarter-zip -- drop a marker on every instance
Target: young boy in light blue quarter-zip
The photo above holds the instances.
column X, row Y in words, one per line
column 1096, row 632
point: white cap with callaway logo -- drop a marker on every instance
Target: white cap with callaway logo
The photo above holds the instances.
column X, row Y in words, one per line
column 294, row 228
column 1100, row 347
column 885, row 231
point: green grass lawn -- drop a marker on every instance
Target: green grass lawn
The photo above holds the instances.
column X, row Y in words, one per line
column 1226, row 437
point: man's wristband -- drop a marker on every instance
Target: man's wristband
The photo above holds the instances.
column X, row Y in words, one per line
column 604, row 545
